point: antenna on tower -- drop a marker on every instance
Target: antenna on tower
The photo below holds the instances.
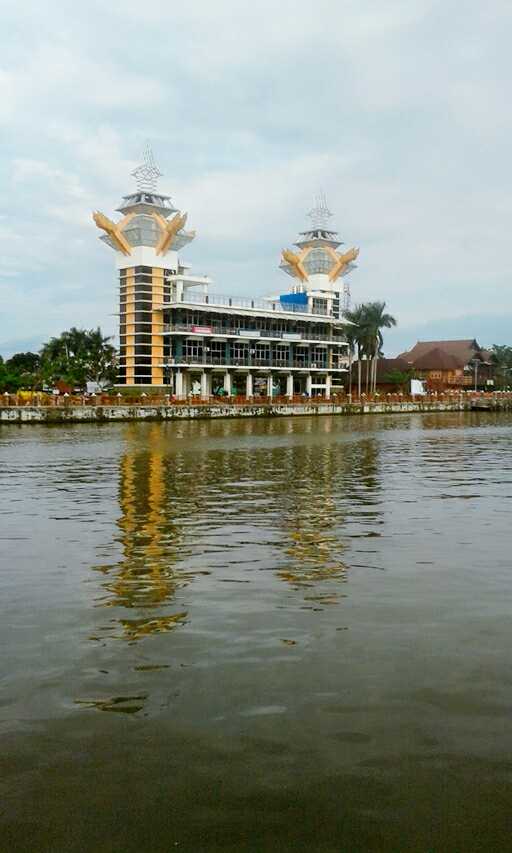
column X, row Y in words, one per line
column 320, row 213
column 147, row 174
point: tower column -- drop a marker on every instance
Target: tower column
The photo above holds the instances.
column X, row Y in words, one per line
column 309, row 382
column 328, row 383
column 270, row 385
column 179, row 384
column 248, row 385
column 289, row 385
column 205, row 385
column 227, row 383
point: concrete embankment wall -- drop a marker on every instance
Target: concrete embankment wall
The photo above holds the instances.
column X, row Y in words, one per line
column 100, row 414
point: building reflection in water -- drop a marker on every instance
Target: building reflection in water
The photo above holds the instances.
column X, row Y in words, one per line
column 326, row 484
column 202, row 490
column 147, row 577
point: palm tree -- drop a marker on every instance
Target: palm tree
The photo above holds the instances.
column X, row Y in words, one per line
column 356, row 337
column 376, row 319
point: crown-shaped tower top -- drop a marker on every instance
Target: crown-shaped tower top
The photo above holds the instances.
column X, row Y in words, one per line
column 147, row 174
column 317, row 246
column 146, row 215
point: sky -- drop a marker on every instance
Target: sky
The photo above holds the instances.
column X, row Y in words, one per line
column 399, row 111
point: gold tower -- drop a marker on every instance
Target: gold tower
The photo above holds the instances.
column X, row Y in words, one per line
column 146, row 241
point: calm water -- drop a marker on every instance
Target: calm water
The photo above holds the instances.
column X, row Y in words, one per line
column 263, row 635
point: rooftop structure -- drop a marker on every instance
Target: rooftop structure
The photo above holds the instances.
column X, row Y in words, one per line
column 449, row 363
column 175, row 332
column 318, row 267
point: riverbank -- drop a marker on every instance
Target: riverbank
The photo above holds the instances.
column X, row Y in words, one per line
column 175, row 411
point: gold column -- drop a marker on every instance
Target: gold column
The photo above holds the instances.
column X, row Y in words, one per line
column 130, row 327
column 157, row 327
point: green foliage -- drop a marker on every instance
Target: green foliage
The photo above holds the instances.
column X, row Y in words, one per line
column 79, row 356
column 366, row 336
column 501, row 359
column 19, row 371
column 399, row 378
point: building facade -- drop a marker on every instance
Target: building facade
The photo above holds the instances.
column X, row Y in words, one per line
column 450, row 364
column 175, row 333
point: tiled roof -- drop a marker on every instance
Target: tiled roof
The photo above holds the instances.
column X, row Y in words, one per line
column 463, row 351
column 438, row 359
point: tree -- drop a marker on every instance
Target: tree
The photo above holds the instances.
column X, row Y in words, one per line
column 356, row 336
column 399, row 378
column 369, row 318
column 501, row 359
column 79, row 356
column 376, row 319
column 19, row 371
column 23, row 362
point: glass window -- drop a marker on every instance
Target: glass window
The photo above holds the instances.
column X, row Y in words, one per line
column 193, row 349
column 240, row 351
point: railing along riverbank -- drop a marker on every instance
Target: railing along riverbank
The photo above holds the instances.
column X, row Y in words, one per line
column 102, row 407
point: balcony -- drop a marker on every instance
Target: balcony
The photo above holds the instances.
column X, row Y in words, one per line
column 250, row 334
column 245, row 304
column 207, row 360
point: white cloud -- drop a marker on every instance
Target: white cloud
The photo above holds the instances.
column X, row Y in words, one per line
column 398, row 109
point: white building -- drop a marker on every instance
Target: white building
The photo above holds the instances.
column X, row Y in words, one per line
column 176, row 333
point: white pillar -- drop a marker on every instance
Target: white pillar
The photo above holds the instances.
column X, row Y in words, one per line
column 179, row 385
column 270, row 385
column 227, row 383
column 248, row 385
column 289, row 385
column 204, row 385
column 309, row 382
column 328, row 382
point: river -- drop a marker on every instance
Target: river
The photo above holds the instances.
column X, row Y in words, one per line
column 257, row 635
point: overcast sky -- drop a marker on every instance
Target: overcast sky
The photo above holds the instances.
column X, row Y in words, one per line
column 398, row 109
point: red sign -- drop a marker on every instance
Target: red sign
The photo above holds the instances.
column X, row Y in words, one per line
column 202, row 330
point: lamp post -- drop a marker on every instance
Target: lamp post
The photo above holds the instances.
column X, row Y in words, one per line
column 475, row 364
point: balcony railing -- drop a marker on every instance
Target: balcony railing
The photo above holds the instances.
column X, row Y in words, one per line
column 220, row 301
column 254, row 334
column 207, row 360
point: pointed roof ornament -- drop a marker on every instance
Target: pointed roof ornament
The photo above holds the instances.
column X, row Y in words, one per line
column 320, row 213
column 147, row 174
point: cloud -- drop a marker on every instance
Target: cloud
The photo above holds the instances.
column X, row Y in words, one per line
column 398, row 110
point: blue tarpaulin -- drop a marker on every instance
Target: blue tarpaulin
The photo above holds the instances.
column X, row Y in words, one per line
column 294, row 298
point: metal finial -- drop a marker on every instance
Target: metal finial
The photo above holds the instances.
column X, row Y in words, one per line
column 320, row 213
column 147, row 173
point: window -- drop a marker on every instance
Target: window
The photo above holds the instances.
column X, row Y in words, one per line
column 281, row 354
column 193, row 350
column 262, row 353
column 217, row 352
column 319, row 356
column 240, row 352
column 319, row 306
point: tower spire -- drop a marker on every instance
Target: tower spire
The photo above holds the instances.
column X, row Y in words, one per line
column 147, row 174
column 320, row 213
